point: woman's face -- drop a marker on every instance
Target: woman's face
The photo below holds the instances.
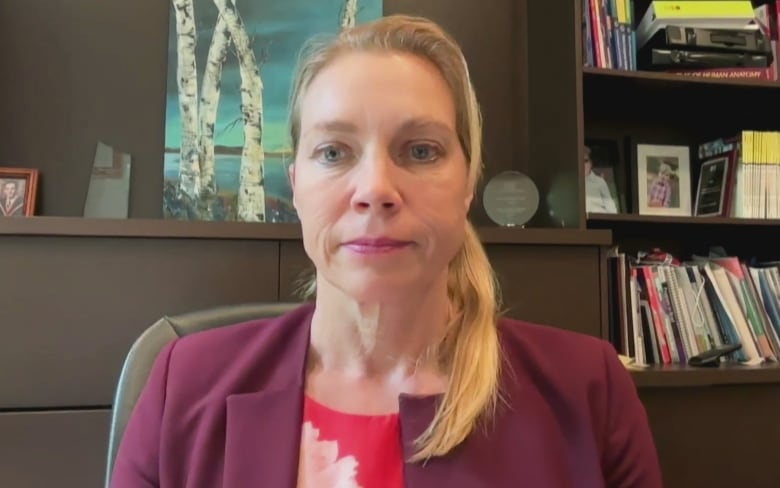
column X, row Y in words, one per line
column 380, row 181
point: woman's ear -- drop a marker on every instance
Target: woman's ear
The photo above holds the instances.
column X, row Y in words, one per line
column 291, row 181
column 469, row 198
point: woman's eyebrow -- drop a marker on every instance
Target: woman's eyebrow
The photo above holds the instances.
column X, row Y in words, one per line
column 334, row 125
column 426, row 123
column 346, row 127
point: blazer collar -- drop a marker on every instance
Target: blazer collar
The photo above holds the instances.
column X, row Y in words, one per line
column 263, row 442
column 263, row 430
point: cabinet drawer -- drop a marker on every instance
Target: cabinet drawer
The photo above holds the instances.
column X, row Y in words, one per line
column 78, row 303
column 53, row 449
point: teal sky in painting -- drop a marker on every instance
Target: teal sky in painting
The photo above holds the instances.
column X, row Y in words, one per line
column 279, row 29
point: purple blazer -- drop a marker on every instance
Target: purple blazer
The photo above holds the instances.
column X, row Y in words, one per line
column 223, row 408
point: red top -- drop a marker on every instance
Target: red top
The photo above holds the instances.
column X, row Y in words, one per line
column 341, row 450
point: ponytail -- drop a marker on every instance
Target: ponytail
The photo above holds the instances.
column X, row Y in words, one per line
column 470, row 351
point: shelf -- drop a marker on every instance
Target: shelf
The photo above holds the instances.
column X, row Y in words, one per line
column 564, row 237
column 661, row 77
column 663, row 219
column 682, row 376
column 664, row 107
column 145, row 228
column 167, row 229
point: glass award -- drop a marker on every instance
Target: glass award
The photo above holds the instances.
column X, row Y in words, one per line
column 510, row 199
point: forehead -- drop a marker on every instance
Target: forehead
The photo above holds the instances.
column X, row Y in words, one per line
column 378, row 85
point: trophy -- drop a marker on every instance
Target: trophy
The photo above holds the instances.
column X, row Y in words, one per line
column 510, row 199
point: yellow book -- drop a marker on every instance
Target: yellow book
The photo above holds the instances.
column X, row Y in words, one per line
column 702, row 8
column 622, row 17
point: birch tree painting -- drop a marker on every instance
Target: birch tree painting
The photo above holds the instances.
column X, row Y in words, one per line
column 229, row 73
column 348, row 14
column 189, row 167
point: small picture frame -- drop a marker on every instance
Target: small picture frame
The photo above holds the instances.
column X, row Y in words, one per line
column 603, row 173
column 663, row 179
column 711, row 190
column 18, row 191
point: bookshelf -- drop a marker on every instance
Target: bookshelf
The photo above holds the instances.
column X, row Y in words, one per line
column 599, row 219
column 680, row 376
column 630, row 107
column 660, row 78
column 684, row 403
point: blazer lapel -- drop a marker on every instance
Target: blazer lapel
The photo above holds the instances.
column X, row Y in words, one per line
column 263, row 427
column 461, row 469
column 473, row 464
column 263, row 438
column 519, row 447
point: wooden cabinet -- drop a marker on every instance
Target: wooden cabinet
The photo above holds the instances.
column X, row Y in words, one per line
column 66, row 449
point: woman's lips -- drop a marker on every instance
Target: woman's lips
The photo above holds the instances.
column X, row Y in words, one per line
column 375, row 245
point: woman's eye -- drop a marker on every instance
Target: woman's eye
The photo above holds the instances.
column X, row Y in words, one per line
column 331, row 154
column 423, row 152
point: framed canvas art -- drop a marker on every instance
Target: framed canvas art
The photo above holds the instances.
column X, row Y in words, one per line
column 230, row 70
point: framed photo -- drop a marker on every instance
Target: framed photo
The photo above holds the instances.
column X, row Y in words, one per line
column 663, row 179
column 18, row 189
column 604, row 178
column 711, row 190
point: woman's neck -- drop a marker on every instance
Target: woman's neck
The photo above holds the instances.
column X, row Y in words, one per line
column 376, row 340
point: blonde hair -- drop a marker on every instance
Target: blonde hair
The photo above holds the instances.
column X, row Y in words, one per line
column 470, row 351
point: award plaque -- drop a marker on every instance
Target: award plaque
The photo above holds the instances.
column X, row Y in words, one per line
column 510, row 198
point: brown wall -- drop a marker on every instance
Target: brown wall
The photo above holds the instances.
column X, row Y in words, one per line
column 95, row 70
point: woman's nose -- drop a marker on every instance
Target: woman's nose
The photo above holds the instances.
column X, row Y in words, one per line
column 375, row 185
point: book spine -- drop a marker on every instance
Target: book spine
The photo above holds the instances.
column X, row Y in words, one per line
column 607, row 22
column 598, row 39
column 743, row 73
column 587, row 35
column 664, row 346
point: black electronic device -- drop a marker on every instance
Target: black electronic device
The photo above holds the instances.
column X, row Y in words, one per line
column 712, row 357
column 745, row 40
column 660, row 59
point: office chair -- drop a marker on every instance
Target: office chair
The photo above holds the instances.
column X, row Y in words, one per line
column 139, row 360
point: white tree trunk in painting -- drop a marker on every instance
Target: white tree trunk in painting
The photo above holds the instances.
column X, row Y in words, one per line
column 209, row 103
column 189, row 164
column 251, row 192
column 349, row 14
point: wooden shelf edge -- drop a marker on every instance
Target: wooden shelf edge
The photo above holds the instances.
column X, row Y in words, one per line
column 663, row 219
column 563, row 237
column 672, row 376
column 146, row 228
column 172, row 229
column 679, row 78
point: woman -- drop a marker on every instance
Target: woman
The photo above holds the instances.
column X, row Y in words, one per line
column 400, row 373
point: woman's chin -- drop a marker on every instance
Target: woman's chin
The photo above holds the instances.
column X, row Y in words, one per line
column 374, row 289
